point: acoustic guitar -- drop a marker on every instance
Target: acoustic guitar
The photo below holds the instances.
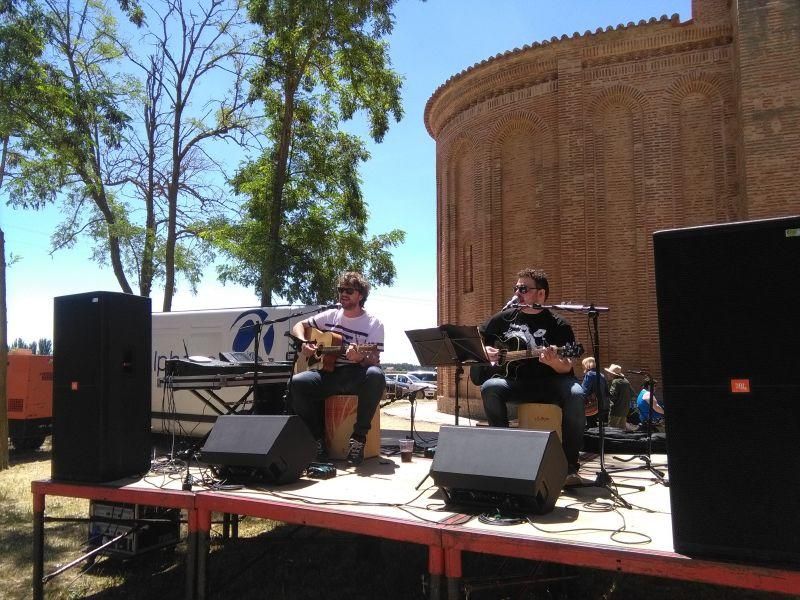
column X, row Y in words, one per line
column 329, row 346
column 508, row 361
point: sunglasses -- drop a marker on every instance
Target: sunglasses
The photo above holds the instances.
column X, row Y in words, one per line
column 346, row 290
column 523, row 289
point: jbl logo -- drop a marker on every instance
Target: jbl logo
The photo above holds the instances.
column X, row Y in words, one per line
column 740, row 386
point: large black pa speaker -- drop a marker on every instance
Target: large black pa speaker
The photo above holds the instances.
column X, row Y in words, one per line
column 269, row 448
column 101, row 386
column 494, row 467
column 728, row 313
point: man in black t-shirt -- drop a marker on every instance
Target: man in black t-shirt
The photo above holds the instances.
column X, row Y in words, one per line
column 548, row 378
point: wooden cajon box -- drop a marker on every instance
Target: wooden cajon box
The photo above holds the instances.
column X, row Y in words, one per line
column 541, row 417
column 340, row 416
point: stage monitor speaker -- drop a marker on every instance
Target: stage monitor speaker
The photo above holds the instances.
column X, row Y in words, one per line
column 101, row 386
column 269, row 448
column 728, row 299
column 519, row 470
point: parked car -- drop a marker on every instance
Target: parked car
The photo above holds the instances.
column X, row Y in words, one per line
column 427, row 376
column 394, row 388
column 416, row 387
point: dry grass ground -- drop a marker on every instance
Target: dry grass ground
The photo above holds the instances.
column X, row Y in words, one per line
column 287, row 562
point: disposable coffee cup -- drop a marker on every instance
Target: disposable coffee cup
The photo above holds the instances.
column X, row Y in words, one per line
column 406, row 450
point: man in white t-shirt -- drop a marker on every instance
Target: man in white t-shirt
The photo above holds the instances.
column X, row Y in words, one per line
column 356, row 372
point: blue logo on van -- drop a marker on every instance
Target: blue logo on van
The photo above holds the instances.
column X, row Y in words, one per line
column 247, row 332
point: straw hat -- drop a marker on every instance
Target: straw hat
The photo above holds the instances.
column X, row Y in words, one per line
column 615, row 370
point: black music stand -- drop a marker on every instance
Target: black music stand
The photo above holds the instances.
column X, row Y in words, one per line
column 448, row 345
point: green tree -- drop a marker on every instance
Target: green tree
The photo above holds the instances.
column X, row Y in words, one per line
column 185, row 106
column 129, row 159
column 305, row 218
column 74, row 142
column 23, row 80
column 45, row 346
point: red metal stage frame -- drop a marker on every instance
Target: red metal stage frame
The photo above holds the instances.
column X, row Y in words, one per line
column 148, row 496
column 424, row 533
column 623, row 560
column 445, row 541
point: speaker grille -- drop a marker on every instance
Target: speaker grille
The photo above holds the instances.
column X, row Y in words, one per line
column 101, row 386
column 727, row 301
column 270, row 448
column 499, row 467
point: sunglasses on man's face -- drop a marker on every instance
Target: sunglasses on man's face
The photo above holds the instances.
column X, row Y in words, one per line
column 523, row 289
column 346, row 290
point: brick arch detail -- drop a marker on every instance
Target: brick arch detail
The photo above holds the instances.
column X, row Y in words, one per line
column 615, row 217
column 703, row 157
column 625, row 95
column 695, row 82
column 457, row 216
column 502, row 216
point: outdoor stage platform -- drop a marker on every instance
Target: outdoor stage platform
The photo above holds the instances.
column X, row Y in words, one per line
column 380, row 498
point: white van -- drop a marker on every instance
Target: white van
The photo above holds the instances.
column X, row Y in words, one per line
column 203, row 336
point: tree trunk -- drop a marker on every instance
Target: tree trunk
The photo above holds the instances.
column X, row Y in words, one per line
column 172, row 199
column 3, row 357
column 114, row 251
column 146, row 271
column 276, row 208
column 116, row 263
column 3, row 161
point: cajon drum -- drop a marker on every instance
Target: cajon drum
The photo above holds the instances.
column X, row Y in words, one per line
column 541, row 417
column 340, row 416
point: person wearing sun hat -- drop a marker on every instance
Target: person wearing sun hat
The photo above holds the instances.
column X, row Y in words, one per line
column 620, row 394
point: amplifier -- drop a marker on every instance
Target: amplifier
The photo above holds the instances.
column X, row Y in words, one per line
column 110, row 519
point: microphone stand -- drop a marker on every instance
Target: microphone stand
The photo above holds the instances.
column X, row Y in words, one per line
column 257, row 326
column 603, row 479
column 648, row 465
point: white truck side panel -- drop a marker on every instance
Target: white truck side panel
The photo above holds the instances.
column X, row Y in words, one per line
column 207, row 333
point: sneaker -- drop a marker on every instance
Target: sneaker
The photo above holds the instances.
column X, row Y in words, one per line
column 573, row 478
column 322, row 451
column 355, row 453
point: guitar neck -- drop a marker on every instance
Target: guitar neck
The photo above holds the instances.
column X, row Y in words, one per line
column 568, row 351
column 343, row 348
column 514, row 355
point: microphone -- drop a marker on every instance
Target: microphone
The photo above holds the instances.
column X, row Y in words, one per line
column 513, row 301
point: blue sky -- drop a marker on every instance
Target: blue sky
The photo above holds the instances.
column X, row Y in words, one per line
column 432, row 41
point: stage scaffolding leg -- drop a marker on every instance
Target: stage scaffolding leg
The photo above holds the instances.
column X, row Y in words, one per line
column 38, row 545
column 436, row 572
column 452, row 568
column 203, row 542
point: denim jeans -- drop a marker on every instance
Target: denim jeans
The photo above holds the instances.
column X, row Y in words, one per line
column 563, row 390
column 310, row 388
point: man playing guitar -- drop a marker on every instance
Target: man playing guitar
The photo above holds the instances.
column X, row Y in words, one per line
column 356, row 369
column 549, row 378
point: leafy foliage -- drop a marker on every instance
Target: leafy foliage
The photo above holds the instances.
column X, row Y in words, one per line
column 305, row 218
column 40, row 346
column 117, row 140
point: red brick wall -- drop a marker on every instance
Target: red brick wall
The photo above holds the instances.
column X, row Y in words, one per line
column 569, row 154
column 768, row 43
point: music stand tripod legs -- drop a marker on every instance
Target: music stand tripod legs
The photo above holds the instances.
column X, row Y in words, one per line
column 647, row 458
column 603, row 479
